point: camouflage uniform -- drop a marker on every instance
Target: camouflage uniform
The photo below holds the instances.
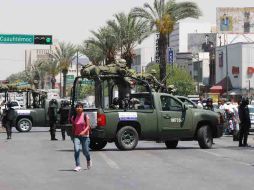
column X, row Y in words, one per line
column 52, row 113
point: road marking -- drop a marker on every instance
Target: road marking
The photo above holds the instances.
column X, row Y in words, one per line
column 109, row 161
column 212, row 153
column 228, row 158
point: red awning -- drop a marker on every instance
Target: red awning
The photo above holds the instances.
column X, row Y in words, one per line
column 216, row 89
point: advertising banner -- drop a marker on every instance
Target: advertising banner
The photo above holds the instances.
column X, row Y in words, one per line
column 235, row 20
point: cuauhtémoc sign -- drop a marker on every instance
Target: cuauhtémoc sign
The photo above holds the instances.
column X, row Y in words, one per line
column 16, row 39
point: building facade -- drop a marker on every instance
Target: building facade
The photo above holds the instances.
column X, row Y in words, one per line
column 143, row 56
column 237, row 62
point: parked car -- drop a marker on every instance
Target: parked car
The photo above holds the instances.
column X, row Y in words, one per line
column 251, row 110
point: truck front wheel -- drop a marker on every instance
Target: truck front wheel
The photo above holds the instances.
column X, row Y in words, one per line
column 97, row 144
column 126, row 138
column 24, row 125
column 171, row 144
column 205, row 138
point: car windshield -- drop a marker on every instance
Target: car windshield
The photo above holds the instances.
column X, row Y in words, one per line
column 251, row 110
column 14, row 104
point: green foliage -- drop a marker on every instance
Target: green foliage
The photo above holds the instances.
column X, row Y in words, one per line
column 161, row 16
column 93, row 52
column 181, row 79
column 85, row 90
column 106, row 41
column 129, row 32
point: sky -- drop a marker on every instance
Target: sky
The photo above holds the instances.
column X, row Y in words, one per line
column 72, row 21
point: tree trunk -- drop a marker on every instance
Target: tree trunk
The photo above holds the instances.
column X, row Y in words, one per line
column 64, row 83
column 128, row 59
column 162, row 44
column 53, row 82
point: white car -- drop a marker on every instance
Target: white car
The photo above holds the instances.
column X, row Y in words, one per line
column 251, row 110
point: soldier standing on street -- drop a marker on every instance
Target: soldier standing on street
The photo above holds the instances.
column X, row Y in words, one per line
column 209, row 106
column 52, row 113
column 64, row 111
column 245, row 123
column 9, row 118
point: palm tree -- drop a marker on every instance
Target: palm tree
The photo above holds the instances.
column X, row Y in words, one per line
column 162, row 17
column 93, row 52
column 106, row 41
column 129, row 31
column 41, row 68
column 63, row 54
column 53, row 70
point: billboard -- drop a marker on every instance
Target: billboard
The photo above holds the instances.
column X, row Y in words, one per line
column 201, row 42
column 235, row 20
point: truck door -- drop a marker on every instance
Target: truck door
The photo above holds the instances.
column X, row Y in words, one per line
column 173, row 122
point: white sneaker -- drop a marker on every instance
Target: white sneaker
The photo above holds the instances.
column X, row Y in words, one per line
column 77, row 168
column 89, row 164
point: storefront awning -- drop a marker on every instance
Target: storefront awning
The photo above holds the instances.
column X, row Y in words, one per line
column 216, row 89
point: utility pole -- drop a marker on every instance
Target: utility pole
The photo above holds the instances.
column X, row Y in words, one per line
column 227, row 70
column 77, row 62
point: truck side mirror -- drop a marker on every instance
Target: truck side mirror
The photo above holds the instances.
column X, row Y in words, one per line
column 185, row 107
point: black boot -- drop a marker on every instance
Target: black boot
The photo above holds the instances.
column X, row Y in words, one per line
column 53, row 136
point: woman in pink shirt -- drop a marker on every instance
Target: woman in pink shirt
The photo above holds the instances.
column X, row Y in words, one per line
column 81, row 130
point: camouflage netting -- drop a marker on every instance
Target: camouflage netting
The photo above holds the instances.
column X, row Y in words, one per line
column 13, row 87
column 3, row 88
column 119, row 68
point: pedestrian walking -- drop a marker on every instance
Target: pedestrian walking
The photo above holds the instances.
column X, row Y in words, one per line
column 64, row 114
column 245, row 123
column 52, row 114
column 8, row 119
column 81, row 130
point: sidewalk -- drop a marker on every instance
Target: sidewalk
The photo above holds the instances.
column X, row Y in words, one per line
column 2, row 129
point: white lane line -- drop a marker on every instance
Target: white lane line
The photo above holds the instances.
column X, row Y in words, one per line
column 109, row 161
column 224, row 157
column 212, row 153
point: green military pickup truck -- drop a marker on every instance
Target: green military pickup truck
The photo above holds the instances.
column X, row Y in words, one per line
column 128, row 109
column 167, row 119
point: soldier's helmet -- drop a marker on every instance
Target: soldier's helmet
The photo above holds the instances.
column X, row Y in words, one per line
column 64, row 103
column 245, row 101
column 53, row 102
column 9, row 104
column 209, row 101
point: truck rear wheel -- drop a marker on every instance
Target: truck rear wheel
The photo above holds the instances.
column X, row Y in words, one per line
column 97, row 144
column 205, row 138
column 24, row 125
column 171, row 144
column 126, row 138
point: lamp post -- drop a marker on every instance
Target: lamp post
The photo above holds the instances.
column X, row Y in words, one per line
column 197, row 65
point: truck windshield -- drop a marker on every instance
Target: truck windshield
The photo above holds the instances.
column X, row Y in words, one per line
column 85, row 92
column 112, row 92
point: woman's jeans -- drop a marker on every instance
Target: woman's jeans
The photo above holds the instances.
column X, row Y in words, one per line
column 84, row 142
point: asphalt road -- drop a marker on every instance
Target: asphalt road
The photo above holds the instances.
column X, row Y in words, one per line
column 31, row 162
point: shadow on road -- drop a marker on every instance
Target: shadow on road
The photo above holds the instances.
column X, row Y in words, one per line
column 66, row 170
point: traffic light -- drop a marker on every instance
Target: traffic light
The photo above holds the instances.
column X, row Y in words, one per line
column 43, row 39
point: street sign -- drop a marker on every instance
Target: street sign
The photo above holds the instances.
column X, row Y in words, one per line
column 25, row 39
column 43, row 39
column 70, row 79
column 16, row 39
column 170, row 55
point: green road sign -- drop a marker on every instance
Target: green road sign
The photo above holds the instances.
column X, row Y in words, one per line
column 16, row 39
column 70, row 79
